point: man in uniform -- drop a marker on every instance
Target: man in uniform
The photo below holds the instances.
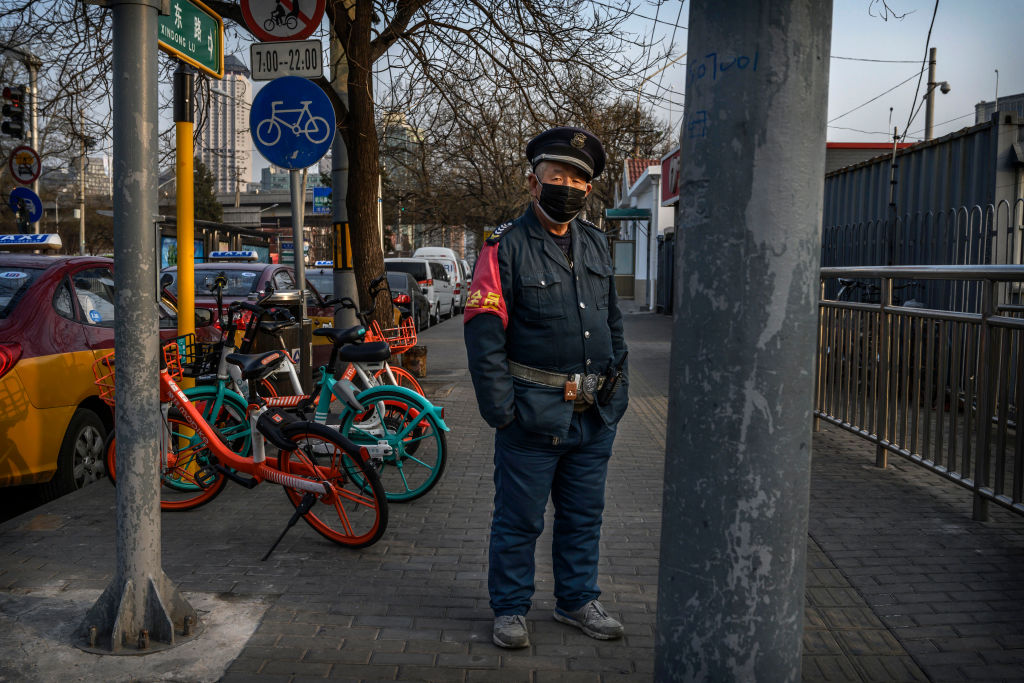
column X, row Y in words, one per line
column 544, row 338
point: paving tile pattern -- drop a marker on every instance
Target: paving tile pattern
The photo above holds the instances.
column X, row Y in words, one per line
column 901, row 584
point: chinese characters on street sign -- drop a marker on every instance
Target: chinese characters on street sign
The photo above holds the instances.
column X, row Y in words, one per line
column 195, row 34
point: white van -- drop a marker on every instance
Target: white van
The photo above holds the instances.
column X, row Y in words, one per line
column 434, row 281
column 450, row 261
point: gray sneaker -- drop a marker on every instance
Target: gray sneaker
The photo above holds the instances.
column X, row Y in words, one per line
column 510, row 631
column 592, row 620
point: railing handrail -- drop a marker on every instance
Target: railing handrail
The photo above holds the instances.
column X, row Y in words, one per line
column 1001, row 273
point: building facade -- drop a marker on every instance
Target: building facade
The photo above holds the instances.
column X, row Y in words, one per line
column 224, row 141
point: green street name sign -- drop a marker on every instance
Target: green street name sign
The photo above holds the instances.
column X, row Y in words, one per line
column 193, row 33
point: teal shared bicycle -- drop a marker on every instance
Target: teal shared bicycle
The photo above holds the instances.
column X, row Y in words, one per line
column 403, row 432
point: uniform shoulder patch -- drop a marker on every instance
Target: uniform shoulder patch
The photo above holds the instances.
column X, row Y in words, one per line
column 588, row 224
column 499, row 231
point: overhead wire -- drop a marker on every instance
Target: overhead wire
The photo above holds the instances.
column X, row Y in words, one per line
column 883, row 61
column 924, row 65
column 875, row 98
column 672, row 40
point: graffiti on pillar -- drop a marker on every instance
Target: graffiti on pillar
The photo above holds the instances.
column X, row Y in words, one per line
column 714, row 68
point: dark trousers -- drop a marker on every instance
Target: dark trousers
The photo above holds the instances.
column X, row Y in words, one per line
column 528, row 468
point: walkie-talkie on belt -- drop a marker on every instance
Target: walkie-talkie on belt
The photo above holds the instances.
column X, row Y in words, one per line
column 612, row 378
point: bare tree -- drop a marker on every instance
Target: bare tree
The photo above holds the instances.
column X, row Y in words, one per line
column 441, row 47
column 436, row 48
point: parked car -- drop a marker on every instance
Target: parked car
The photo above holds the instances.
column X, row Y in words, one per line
column 245, row 279
column 433, row 280
column 450, row 261
column 408, row 297
column 56, row 315
column 467, row 277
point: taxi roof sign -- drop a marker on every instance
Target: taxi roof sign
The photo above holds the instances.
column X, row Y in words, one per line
column 234, row 256
column 323, row 264
column 31, row 241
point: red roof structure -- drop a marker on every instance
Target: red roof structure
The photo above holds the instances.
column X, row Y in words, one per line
column 636, row 167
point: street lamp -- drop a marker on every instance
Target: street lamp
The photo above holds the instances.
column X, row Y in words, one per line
column 56, row 208
column 929, row 96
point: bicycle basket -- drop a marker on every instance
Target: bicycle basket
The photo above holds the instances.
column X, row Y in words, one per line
column 103, row 370
column 195, row 358
column 400, row 339
column 103, row 367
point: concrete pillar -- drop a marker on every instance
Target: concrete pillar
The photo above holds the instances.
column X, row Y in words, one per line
column 734, row 533
column 140, row 606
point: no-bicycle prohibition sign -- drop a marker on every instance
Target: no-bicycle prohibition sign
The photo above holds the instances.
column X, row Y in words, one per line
column 283, row 19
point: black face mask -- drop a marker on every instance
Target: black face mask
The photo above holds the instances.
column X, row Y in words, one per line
column 561, row 203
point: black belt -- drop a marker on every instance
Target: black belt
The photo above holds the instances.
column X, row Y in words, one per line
column 587, row 384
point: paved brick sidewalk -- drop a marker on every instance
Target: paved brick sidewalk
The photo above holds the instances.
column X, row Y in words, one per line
column 901, row 584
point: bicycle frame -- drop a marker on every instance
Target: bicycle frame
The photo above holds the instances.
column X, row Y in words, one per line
column 257, row 465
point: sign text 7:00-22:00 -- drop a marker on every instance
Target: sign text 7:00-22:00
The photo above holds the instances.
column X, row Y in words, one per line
column 293, row 58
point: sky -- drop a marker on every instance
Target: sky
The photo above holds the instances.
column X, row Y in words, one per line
column 973, row 38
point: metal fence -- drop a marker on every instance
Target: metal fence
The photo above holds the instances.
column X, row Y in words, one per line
column 939, row 387
column 966, row 235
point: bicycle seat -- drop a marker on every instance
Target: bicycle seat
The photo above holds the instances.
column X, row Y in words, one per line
column 256, row 365
column 339, row 336
column 274, row 326
column 370, row 352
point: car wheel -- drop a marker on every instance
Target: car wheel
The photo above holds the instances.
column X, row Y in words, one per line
column 435, row 317
column 80, row 460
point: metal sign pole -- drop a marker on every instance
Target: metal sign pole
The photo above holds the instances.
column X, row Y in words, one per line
column 298, row 193
column 140, row 609
column 344, row 274
column 184, row 118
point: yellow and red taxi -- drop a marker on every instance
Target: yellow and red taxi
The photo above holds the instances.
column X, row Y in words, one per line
column 56, row 313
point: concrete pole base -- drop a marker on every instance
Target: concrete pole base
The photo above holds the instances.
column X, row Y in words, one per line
column 168, row 620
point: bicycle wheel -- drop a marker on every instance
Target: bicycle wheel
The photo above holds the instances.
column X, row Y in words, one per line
column 268, row 25
column 317, row 130
column 187, row 479
column 291, row 22
column 403, row 378
column 357, row 515
column 418, row 444
column 268, row 131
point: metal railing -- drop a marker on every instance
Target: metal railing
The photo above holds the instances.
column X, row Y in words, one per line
column 940, row 388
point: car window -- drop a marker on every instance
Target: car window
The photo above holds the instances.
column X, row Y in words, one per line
column 439, row 272
column 399, row 281
column 414, row 268
column 240, row 282
column 283, row 280
column 323, row 282
column 62, row 301
column 94, row 288
column 14, row 282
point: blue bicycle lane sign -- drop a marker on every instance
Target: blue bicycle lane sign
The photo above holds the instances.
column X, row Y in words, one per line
column 292, row 122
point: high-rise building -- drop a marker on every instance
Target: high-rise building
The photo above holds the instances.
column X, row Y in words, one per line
column 224, row 141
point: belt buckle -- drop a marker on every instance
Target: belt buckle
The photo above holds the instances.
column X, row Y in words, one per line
column 588, row 387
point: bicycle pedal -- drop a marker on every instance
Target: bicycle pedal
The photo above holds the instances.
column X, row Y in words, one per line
column 206, row 476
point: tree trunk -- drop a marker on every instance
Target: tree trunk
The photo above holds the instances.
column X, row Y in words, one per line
column 364, row 166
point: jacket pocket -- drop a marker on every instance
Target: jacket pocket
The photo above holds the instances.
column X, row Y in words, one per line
column 542, row 297
column 600, row 280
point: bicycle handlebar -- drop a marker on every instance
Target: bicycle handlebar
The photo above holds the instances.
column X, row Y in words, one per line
column 377, row 285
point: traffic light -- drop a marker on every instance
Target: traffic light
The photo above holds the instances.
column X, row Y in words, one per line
column 14, row 111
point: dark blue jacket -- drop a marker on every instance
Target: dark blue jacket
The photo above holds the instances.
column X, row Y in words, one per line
column 528, row 305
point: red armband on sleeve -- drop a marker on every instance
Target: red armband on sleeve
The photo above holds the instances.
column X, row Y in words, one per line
column 485, row 295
